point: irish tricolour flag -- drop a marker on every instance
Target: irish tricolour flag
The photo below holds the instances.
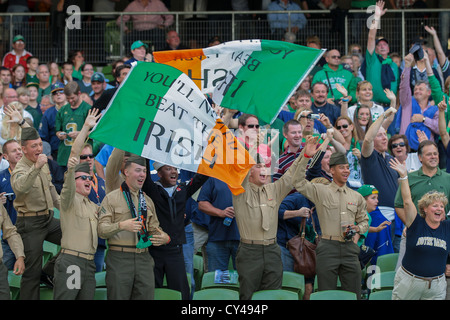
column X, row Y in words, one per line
column 160, row 114
column 252, row 76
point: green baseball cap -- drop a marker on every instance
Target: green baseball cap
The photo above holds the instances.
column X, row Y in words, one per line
column 18, row 37
column 367, row 190
column 138, row 44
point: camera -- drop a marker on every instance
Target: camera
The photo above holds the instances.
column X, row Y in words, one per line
column 417, row 51
column 315, row 116
column 349, row 234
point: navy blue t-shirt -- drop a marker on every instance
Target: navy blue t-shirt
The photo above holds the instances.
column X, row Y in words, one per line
column 219, row 195
column 377, row 171
column 426, row 248
column 5, row 186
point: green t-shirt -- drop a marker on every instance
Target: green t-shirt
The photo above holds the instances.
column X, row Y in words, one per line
column 420, row 184
column 37, row 116
column 373, row 75
column 69, row 120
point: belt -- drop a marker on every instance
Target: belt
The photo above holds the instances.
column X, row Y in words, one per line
column 333, row 238
column 33, row 214
column 87, row 256
column 127, row 249
column 262, row 242
column 423, row 278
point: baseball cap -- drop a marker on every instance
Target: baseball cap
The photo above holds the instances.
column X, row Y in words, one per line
column 33, row 84
column 367, row 190
column 57, row 86
column 138, row 44
column 18, row 37
column 157, row 165
column 381, row 39
column 98, row 77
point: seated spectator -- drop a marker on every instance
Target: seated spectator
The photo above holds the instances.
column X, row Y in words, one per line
column 32, row 64
column 173, row 41
column 18, row 76
column 139, row 52
column 18, row 54
column 43, row 75
column 280, row 22
column 5, row 77
column 319, row 93
column 87, row 71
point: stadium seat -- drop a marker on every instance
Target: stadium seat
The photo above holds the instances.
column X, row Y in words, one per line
column 381, row 295
column 14, row 285
column 100, row 279
column 208, row 282
column 100, row 294
column 167, row 294
column 45, row 293
column 275, row 295
column 333, row 295
column 294, row 282
column 216, row 294
column 382, row 281
column 387, row 262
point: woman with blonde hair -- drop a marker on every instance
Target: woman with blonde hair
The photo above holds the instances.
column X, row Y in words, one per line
column 422, row 275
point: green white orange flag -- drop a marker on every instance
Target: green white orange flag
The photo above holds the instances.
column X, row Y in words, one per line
column 252, row 76
column 160, row 114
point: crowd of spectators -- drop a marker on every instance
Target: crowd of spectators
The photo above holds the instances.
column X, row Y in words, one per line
column 380, row 105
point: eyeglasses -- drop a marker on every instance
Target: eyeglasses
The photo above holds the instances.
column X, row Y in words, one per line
column 395, row 145
column 85, row 156
column 85, row 178
column 345, row 126
column 307, row 116
column 251, row 126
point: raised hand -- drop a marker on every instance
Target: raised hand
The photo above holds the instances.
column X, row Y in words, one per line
column 399, row 167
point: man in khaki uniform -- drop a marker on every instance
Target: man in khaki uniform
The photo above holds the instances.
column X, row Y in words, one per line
column 339, row 208
column 79, row 222
column 123, row 214
column 36, row 197
column 15, row 243
column 258, row 260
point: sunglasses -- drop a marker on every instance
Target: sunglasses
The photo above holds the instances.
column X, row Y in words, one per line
column 307, row 116
column 59, row 92
column 85, row 156
column 85, row 178
column 395, row 145
column 251, row 126
column 345, row 126
column 335, row 57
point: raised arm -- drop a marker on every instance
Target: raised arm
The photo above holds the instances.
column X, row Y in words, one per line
column 410, row 210
column 442, row 58
column 443, row 123
column 379, row 12
column 89, row 123
column 367, row 146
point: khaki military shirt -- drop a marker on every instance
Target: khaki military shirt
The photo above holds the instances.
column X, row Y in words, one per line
column 33, row 188
column 79, row 218
column 10, row 234
column 332, row 200
column 114, row 209
column 256, row 209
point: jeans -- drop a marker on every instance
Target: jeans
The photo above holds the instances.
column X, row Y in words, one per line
column 219, row 253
